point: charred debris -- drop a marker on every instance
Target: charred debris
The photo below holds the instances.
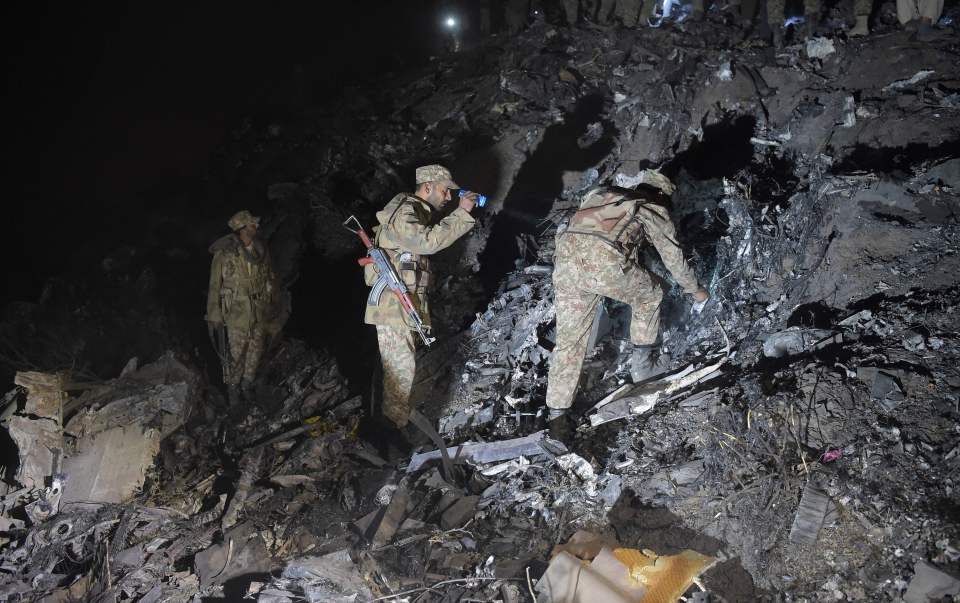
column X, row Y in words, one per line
column 803, row 446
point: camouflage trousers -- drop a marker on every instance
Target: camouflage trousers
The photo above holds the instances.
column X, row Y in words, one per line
column 398, row 356
column 909, row 10
column 586, row 269
column 245, row 349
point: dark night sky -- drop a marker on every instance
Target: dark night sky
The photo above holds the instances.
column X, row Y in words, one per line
column 104, row 102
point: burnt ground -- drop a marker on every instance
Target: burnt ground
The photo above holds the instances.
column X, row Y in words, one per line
column 823, row 218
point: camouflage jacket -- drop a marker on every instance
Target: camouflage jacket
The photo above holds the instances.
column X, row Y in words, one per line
column 241, row 284
column 627, row 222
column 408, row 235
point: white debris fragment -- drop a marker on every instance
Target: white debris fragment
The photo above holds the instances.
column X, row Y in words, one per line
column 512, row 401
column 917, row 77
column 725, row 72
column 819, row 48
column 385, row 494
column 619, row 98
column 625, row 181
column 849, row 112
column 578, row 466
column 516, row 466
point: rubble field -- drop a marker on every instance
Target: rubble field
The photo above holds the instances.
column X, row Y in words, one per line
column 802, row 445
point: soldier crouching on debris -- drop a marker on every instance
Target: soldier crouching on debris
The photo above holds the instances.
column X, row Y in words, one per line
column 239, row 302
column 409, row 233
column 597, row 255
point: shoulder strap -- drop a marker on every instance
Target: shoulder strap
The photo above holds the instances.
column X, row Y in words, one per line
column 406, row 200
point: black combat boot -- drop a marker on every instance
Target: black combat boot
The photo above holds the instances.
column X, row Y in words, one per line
column 647, row 362
column 560, row 425
column 389, row 440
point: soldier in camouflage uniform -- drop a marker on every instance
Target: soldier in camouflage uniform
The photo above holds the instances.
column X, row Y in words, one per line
column 239, row 301
column 596, row 257
column 409, row 232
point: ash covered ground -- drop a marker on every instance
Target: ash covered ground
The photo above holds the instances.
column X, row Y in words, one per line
column 805, row 438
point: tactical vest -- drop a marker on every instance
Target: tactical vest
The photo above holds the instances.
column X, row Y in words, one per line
column 245, row 287
column 413, row 269
column 613, row 220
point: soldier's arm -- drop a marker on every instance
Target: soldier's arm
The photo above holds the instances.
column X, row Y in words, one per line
column 662, row 233
column 424, row 240
column 213, row 290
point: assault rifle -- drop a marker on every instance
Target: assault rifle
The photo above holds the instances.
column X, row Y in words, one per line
column 388, row 277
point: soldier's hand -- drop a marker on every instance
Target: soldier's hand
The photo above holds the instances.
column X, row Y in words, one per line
column 468, row 201
column 701, row 295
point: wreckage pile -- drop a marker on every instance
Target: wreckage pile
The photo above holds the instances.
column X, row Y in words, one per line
column 803, row 444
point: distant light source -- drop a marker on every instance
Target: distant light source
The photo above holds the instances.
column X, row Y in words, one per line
column 451, row 22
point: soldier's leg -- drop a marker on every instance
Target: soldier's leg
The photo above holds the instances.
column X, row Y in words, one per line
column 698, row 10
column 907, row 11
column 398, row 357
column 930, row 10
column 256, row 344
column 811, row 15
column 575, row 309
column 637, row 288
column 776, row 19
column 628, row 11
column 606, row 11
column 775, row 14
column 570, row 10
column 236, row 351
column 646, row 12
column 588, row 9
column 575, row 312
column 861, row 11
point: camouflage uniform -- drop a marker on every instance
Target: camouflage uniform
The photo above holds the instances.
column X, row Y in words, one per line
column 646, row 12
column 628, row 11
column 596, row 256
column 910, row 10
column 240, row 298
column 408, row 235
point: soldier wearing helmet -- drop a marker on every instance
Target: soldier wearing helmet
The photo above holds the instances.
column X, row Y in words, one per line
column 239, row 302
column 596, row 257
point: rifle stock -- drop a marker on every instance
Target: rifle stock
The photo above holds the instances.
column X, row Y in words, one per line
column 388, row 277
